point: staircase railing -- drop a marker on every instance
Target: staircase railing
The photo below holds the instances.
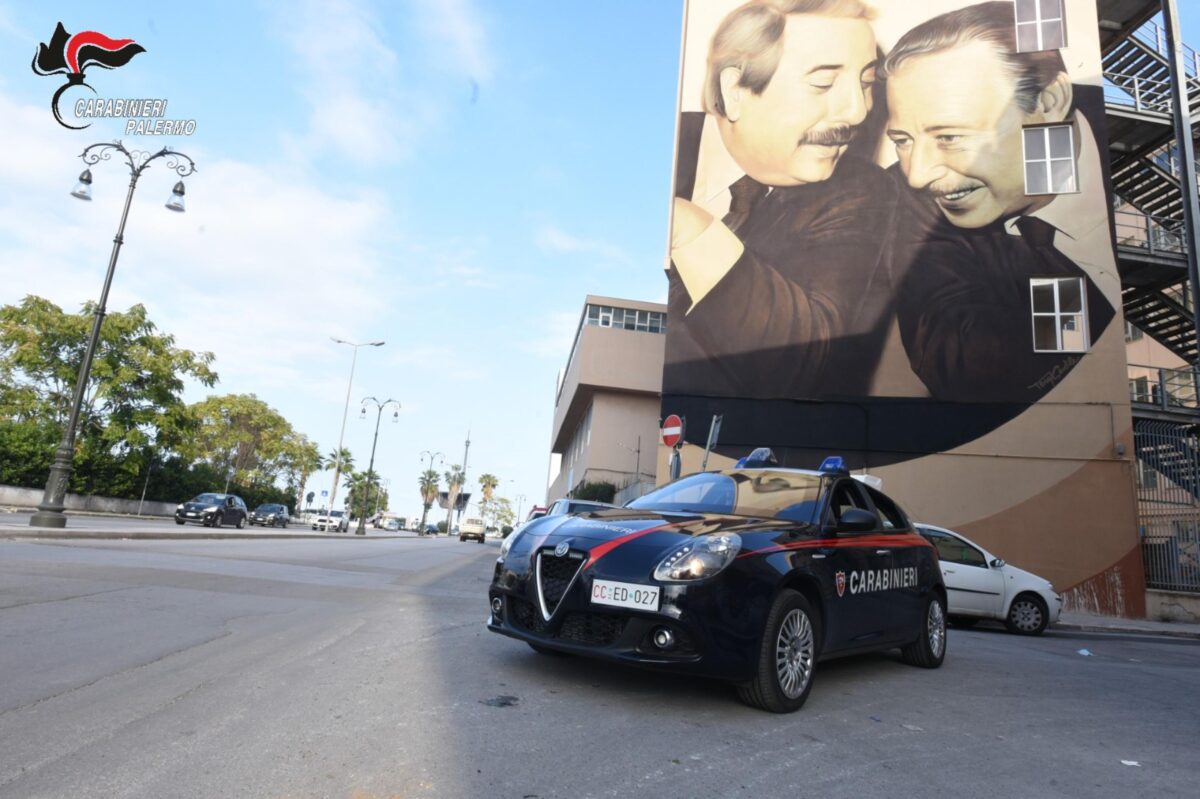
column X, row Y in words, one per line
column 1154, row 36
column 1167, row 389
column 1138, row 93
column 1152, row 234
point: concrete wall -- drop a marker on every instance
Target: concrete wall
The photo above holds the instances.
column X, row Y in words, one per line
column 11, row 496
column 1173, row 606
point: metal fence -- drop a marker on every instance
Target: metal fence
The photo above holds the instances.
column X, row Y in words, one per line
column 1155, row 235
column 1168, row 488
column 1167, row 389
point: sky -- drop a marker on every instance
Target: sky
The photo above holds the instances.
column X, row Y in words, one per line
column 452, row 177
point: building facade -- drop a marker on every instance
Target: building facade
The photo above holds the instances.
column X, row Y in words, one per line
column 606, row 401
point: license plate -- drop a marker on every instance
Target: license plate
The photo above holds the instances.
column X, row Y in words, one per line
column 625, row 595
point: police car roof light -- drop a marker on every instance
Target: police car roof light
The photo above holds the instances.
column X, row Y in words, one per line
column 834, row 463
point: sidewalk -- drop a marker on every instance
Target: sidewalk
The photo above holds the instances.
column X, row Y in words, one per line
column 1092, row 623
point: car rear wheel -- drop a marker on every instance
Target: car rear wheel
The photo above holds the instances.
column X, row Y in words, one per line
column 241, row 522
column 929, row 650
column 787, row 656
column 1027, row 615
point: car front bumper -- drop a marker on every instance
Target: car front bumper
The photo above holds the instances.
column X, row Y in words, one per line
column 715, row 628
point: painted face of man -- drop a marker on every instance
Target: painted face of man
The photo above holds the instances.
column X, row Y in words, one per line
column 799, row 126
column 958, row 133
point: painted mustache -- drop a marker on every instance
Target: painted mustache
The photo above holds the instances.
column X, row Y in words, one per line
column 951, row 193
column 830, row 137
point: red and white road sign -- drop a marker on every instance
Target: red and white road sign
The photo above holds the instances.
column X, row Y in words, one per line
column 672, row 430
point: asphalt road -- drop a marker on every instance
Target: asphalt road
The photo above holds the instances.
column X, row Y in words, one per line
column 359, row 669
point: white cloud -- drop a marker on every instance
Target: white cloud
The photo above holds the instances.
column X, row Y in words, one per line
column 556, row 337
column 553, row 239
column 459, row 26
column 261, row 270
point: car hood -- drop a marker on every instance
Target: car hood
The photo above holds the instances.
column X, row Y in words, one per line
column 1025, row 579
column 624, row 534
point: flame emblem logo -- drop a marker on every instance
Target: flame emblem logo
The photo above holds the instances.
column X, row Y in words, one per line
column 72, row 55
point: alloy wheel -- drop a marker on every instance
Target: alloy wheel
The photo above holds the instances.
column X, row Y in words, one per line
column 794, row 653
column 935, row 626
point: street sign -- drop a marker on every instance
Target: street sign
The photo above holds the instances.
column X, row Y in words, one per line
column 672, row 430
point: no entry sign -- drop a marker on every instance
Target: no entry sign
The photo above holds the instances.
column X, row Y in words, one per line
column 672, row 430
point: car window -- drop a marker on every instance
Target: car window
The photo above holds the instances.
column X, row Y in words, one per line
column 847, row 494
column 954, row 550
column 890, row 515
column 753, row 492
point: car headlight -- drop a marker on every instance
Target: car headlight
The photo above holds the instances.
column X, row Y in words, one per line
column 179, row 506
column 507, row 543
column 699, row 558
column 210, row 509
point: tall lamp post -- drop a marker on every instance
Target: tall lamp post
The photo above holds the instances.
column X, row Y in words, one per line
column 425, row 510
column 50, row 510
column 362, row 516
column 337, row 464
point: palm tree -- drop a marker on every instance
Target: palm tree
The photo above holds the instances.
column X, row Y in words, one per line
column 428, row 483
column 360, row 485
column 345, row 462
column 303, row 459
column 487, row 484
column 455, row 477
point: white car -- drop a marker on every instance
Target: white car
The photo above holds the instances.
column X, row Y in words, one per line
column 335, row 522
column 981, row 586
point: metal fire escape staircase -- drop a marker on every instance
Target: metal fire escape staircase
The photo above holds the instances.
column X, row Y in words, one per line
column 1145, row 171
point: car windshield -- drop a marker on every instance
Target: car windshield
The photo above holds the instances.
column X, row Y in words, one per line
column 336, row 513
column 784, row 495
column 267, row 508
column 209, row 498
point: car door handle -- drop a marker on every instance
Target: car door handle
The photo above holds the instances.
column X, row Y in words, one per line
column 883, row 552
column 948, row 571
column 822, row 553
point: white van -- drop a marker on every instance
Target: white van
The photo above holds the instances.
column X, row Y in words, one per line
column 471, row 528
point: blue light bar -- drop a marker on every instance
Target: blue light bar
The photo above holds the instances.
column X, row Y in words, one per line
column 834, row 463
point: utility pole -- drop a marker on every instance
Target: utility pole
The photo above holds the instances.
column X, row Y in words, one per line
column 466, row 450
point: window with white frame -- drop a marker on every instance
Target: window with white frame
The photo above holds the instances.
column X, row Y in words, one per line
column 1040, row 25
column 1059, row 314
column 1050, row 160
column 626, row 319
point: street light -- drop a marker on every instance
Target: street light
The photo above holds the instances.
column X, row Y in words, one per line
column 50, row 510
column 424, row 508
column 520, row 501
column 337, row 457
column 362, row 516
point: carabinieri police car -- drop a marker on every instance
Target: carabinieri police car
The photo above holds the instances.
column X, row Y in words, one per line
column 750, row 575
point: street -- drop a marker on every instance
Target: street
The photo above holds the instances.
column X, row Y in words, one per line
column 361, row 668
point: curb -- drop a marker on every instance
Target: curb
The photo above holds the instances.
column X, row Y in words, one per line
column 121, row 536
column 1126, row 630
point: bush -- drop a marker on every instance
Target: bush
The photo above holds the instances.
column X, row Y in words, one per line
column 596, row 492
column 506, row 530
column 441, row 527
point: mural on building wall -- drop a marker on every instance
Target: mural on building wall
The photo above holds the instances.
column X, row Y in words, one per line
column 890, row 232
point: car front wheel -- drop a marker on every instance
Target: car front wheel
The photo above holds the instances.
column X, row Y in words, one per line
column 787, row 656
column 216, row 520
column 1027, row 615
column 929, row 650
column 178, row 520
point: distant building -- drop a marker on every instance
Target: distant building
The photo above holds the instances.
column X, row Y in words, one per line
column 607, row 400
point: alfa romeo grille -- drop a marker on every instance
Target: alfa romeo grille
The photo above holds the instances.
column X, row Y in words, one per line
column 592, row 628
column 554, row 577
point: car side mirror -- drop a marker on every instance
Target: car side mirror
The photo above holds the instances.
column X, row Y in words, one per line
column 856, row 520
column 997, row 563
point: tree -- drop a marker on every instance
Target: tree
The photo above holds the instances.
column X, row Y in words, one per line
column 455, row 477
column 345, row 463
column 487, row 485
column 241, row 436
column 301, row 460
column 360, row 483
column 501, row 512
column 132, row 403
column 428, row 483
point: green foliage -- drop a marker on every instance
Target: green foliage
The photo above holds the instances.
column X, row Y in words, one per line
column 596, row 492
column 240, row 435
column 506, row 531
column 131, row 405
column 441, row 527
column 360, row 485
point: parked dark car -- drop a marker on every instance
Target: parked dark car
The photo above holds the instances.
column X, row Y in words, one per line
column 213, row 510
column 271, row 515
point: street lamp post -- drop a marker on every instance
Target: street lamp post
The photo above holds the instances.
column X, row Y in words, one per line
column 520, row 501
column 337, row 463
column 50, row 510
column 362, row 516
column 424, row 509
